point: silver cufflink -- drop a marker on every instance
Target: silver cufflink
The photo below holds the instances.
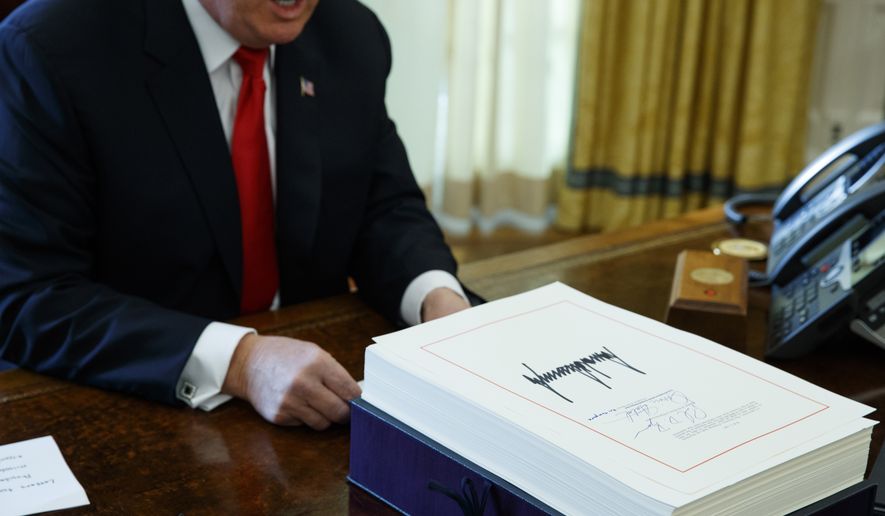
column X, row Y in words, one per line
column 188, row 390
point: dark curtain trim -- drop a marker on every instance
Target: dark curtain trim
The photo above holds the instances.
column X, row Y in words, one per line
column 658, row 184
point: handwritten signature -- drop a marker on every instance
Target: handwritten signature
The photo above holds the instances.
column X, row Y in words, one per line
column 587, row 366
column 661, row 413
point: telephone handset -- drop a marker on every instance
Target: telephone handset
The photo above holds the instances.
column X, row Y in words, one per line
column 846, row 169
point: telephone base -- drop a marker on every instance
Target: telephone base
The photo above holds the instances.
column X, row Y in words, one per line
column 861, row 328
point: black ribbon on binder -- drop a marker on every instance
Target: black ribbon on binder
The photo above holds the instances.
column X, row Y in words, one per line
column 471, row 504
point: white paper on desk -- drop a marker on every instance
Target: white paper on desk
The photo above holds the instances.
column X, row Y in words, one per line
column 34, row 477
column 664, row 411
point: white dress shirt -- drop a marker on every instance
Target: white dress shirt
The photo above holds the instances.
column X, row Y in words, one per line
column 204, row 373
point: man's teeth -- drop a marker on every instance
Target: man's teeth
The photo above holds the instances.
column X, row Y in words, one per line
column 285, row 3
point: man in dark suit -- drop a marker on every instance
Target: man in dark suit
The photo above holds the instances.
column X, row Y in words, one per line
column 166, row 165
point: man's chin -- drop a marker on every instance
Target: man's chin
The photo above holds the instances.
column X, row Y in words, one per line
column 288, row 37
column 275, row 36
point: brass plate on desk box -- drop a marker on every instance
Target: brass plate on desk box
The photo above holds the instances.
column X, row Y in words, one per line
column 709, row 297
column 752, row 250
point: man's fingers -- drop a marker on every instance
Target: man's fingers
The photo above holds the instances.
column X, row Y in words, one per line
column 339, row 381
column 310, row 389
column 330, row 405
column 312, row 418
column 293, row 382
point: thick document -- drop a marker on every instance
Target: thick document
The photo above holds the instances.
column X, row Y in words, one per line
column 594, row 409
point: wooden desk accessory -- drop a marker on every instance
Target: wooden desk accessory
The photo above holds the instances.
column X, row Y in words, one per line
column 709, row 297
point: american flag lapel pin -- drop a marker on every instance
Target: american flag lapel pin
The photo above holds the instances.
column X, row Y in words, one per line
column 306, row 87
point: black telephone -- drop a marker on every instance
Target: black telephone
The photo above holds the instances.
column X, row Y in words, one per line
column 826, row 262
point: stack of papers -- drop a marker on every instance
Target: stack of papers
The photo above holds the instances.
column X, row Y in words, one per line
column 594, row 409
column 35, row 478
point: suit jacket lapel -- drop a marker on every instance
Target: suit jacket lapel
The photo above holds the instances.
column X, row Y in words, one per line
column 184, row 97
column 299, row 167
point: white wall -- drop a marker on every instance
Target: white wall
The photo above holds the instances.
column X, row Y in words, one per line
column 418, row 31
column 848, row 88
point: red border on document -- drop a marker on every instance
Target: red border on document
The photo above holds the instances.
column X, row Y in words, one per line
column 424, row 347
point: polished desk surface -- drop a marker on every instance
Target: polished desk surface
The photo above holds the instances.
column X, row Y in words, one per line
column 135, row 456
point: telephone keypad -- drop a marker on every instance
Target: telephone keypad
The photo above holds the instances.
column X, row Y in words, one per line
column 800, row 304
column 799, row 301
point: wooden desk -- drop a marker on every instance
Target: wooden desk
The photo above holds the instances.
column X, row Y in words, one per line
column 134, row 456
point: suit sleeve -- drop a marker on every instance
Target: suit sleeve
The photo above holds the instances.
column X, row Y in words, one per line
column 399, row 239
column 55, row 317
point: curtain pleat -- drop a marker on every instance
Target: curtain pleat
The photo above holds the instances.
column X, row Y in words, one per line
column 684, row 102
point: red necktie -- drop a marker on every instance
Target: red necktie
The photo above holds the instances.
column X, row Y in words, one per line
column 252, row 167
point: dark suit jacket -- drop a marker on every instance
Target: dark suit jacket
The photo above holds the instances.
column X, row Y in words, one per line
column 119, row 219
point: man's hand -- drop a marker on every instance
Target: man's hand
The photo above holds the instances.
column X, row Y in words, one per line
column 441, row 302
column 290, row 382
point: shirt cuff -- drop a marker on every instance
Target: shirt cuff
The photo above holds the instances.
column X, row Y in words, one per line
column 203, row 376
column 413, row 298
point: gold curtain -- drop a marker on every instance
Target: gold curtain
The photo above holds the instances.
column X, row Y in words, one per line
column 681, row 103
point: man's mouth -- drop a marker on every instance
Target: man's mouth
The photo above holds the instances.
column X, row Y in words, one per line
column 289, row 9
